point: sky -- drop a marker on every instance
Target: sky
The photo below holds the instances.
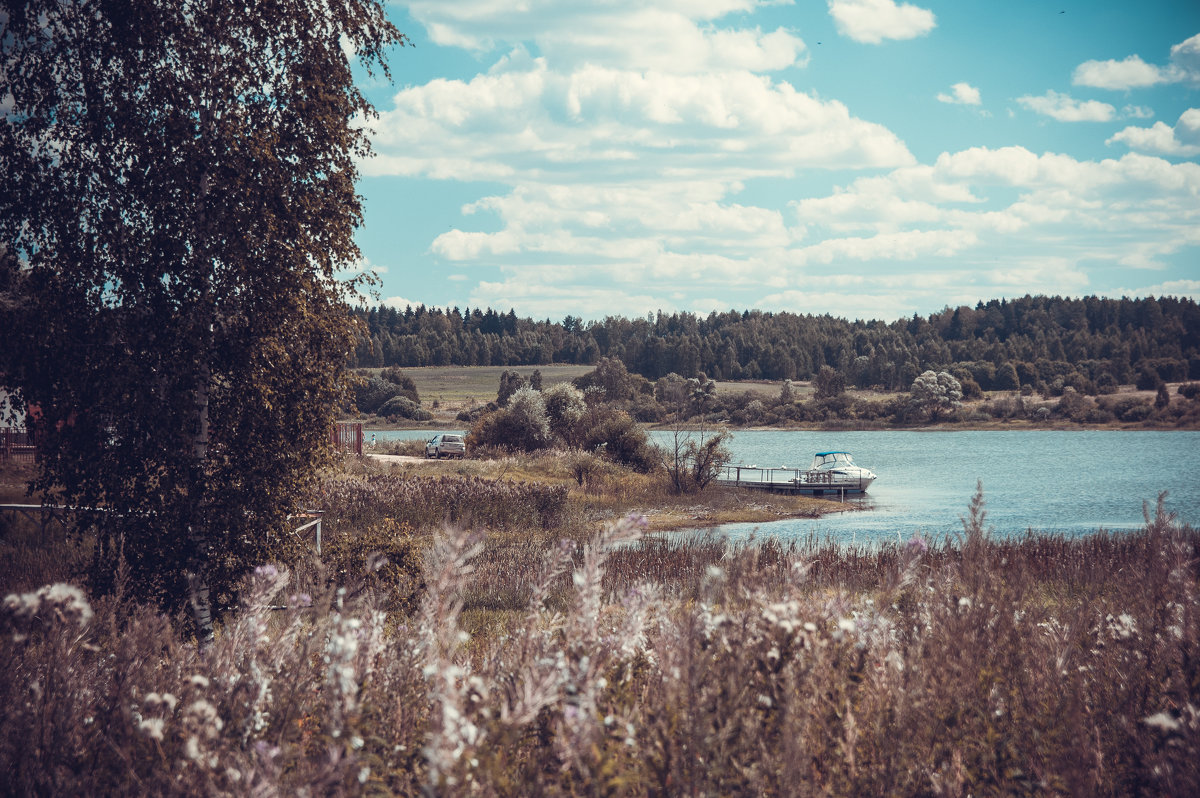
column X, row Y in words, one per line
column 869, row 159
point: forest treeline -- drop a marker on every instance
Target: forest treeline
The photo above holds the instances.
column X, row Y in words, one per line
column 1091, row 344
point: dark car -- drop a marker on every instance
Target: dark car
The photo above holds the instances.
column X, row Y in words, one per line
column 446, row 445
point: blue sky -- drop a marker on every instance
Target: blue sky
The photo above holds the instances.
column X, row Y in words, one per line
column 863, row 158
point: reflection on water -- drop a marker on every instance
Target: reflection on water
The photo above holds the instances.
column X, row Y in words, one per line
column 1068, row 482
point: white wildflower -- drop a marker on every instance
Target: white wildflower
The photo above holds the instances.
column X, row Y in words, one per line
column 196, row 680
column 152, row 728
column 1161, row 721
column 1123, row 627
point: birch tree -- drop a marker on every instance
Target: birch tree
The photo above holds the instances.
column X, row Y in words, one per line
column 179, row 202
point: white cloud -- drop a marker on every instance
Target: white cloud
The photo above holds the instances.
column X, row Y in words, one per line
column 1132, row 72
column 1185, row 57
column 527, row 291
column 1137, row 112
column 1065, row 108
column 872, row 21
column 400, row 302
column 535, row 123
column 669, row 36
column 1179, row 288
column 1129, row 73
column 1161, row 139
column 961, row 94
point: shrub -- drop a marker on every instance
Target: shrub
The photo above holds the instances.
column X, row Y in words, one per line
column 403, row 407
column 828, row 383
column 565, row 408
column 1131, row 409
column 371, row 395
column 620, row 438
column 403, row 381
column 386, row 552
column 521, row 426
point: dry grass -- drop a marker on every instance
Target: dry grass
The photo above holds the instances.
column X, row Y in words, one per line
column 611, row 666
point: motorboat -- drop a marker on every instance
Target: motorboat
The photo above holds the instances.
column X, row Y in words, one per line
column 836, row 471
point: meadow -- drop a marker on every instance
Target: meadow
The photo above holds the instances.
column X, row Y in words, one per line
column 470, row 634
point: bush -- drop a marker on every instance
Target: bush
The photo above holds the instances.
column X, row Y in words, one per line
column 403, row 381
column 565, row 408
column 403, row 407
column 371, row 395
column 521, row 426
column 386, row 552
column 621, row 439
column 1129, row 409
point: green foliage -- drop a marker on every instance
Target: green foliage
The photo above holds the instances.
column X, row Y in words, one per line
column 407, row 387
column 620, row 439
column 829, row 383
column 510, row 383
column 1040, row 337
column 402, row 407
column 521, row 426
column 371, row 394
column 388, row 553
column 935, row 393
column 1162, row 398
column 175, row 256
column 565, row 408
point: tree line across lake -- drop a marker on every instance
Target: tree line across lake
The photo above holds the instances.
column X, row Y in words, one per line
column 1091, row 344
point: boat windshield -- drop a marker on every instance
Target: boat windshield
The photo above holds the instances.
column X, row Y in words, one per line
column 831, row 460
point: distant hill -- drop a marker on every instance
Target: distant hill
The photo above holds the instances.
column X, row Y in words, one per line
column 1003, row 344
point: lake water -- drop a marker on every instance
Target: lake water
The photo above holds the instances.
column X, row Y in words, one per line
column 1070, row 482
column 1067, row 482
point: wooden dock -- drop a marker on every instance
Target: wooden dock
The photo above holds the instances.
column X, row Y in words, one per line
column 790, row 481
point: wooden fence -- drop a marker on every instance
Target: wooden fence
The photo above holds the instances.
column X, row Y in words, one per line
column 16, row 444
column 347, row 437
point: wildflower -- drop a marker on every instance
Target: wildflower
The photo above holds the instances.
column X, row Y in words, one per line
column 152, row 728
column 196, row 680
column 154, row 701
column 916, row 545
column 67, row 602
column 1162, row 721
column 1123, row 627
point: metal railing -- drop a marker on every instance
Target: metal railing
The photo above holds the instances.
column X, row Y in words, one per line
column 784, row 477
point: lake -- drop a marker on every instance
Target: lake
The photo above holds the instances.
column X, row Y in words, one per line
column 1070, row 482
column 1067, row 482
